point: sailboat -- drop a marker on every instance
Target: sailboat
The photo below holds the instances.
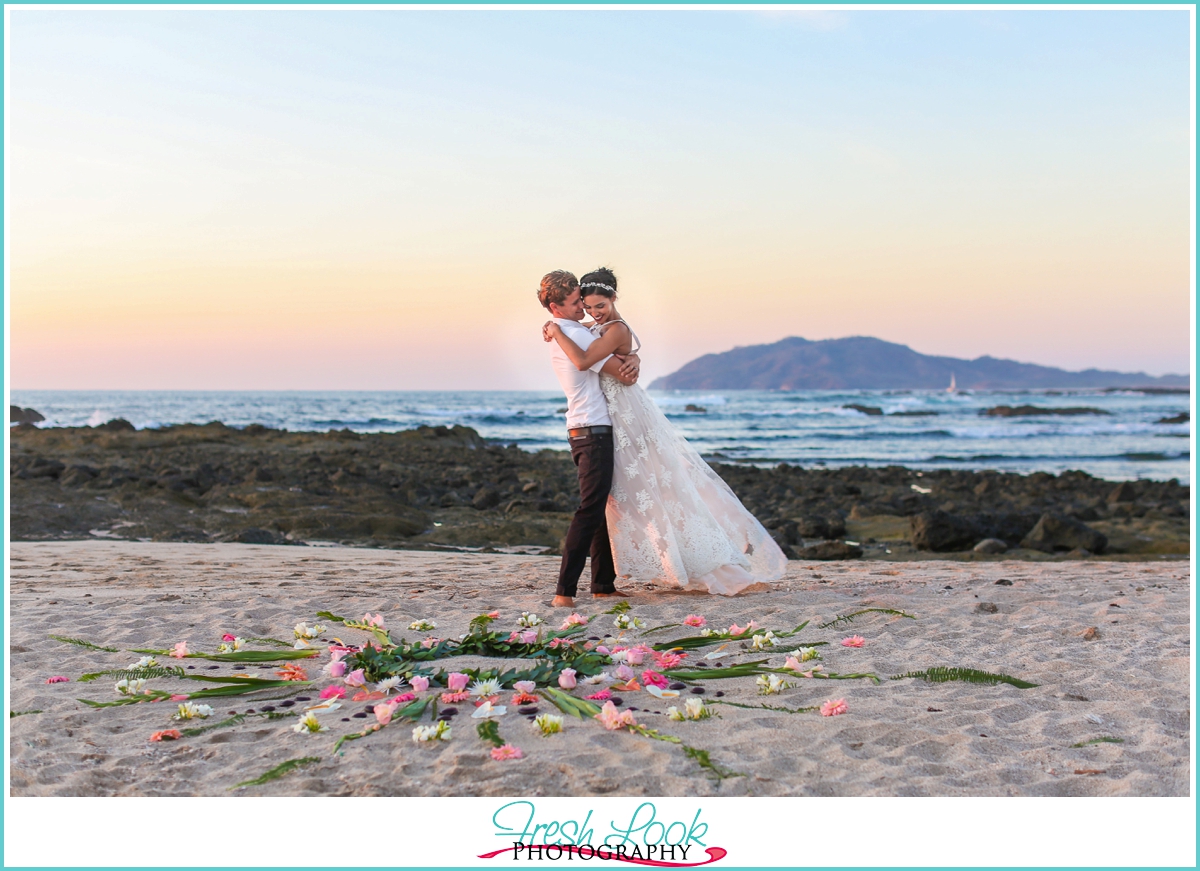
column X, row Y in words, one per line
column 953, row 388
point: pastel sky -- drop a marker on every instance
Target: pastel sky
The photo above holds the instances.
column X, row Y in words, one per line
column 367, row 199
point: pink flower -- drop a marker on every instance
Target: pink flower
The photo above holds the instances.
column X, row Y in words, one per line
column 167, row 735
column 601, row 696
column 558, row 642
column 602, row 649
column 333, row 691
column 513, row 636
column 654, row 678
column 356, row 678
column 383, row 713
column 574, row 620
column 793, row 664
column 694, row 620
column 420, row 684
column 429, row 642
column 456, row 682
column 529, row 636
column 180, row 650
column 178, row 698
column 853, row 641
column 613, row 719
column 635, row 655
column 624, row 672
column 493, row 614
column 377, row 620
column 58, row 678
column 833, row 707
column 525, row 699
column 228, row 637
column 525, row 686
column 667, row 660
column 454, row 698
column 337, row 668
column 404, row 697
column 738, row 630
column 566, row 680
column 506, row 751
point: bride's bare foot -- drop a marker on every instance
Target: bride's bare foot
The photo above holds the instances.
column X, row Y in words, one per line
column 617, row 593
column 563, row 602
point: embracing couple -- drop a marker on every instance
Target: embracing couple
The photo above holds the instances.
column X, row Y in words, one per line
column 650, row 508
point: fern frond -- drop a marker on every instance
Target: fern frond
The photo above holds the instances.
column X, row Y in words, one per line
column 489, row 730
column 278, row 771
column 942, row 674
column 849, row 618
column 661, row 628
column 235, row 720
column 785, row 710
column 619, row 608
column 703, row 760
column 79, row 642
column 135, row 673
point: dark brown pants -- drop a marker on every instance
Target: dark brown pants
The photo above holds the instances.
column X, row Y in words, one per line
column 593, row 456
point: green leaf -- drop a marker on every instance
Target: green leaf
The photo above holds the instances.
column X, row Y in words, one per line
column 79, row 642
column 703, row 760
column 1104, row 740
column 135, row 673
column 569, row 704
column 742, row 669
column 849, row 618
column 660, row 628
column 619, row 608
column 942, row 674
column 766, row 707
column 151, row 696
column 241, row 689
column 274, row 642
column 254, row 655
column 325, row 615
column 235, row 720
column 12, row 714
column 489, row 730
column 278, row 771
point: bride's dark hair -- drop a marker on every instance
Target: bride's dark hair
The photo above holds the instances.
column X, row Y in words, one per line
column 603, row 282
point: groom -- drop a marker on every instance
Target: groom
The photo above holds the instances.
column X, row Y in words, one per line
column 589, row 429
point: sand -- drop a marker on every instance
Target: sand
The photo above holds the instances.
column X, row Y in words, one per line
column 903, row 737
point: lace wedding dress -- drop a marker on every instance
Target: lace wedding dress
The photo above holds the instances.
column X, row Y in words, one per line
column 671, row 518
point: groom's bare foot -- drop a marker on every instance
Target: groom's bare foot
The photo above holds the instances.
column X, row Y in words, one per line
column 617, row 593
column 563, row 602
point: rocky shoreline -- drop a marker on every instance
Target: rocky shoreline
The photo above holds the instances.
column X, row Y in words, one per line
column 439, row 487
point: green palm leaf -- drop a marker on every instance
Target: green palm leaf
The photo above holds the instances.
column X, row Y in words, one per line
column 135, row 673
column 942, row 674
column 849, row 618
column 278, row 771
column 489, row 730
column 79, row 642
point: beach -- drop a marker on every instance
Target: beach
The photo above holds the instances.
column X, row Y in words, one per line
column 1106, row 642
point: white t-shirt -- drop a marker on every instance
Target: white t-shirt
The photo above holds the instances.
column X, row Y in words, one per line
column 585, row 399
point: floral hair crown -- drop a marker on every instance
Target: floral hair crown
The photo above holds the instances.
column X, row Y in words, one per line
column 607, row 287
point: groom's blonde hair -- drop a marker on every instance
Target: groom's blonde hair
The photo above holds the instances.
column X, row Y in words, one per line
column 556, row 287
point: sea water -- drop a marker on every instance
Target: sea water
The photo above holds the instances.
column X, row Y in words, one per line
column 807, row 428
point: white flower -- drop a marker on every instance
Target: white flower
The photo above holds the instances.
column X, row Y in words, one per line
column 624, row 621
column 422, row 625
column 602, row 677
column 487, row 709
column 145, row 662
column 528, row 621
column 303, row 630
column 440, row 731
column 189, row 711
column 770, row 684
column 309, row 723
column 236, row 644
column 388, row 684
column 762, row 642
column 548, row 723
column 661, row 693
column 807, row 653
column 706, row 632
column 619, row 655
column 301, row 644
column 131, row 687
column 694, row 709
column 485, row 688
column 673, row 713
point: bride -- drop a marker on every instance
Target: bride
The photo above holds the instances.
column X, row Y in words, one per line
column 671, row 518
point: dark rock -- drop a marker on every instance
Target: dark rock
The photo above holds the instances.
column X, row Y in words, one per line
column 1079, row 553
column 986, row 608
column 1034, row 410
column 42, row 468
column 1126, row 491
column 697, row 409
column 254, row 535
column 991, row 545
column 1054, row 532
column 914, row 414
column 16, row 414
column 830, row 550
column 1004, row 582
column 485, row 498
column 699, row 691
column 532, row 709
column 940, row 532
column 678, row 686
column 1183, row 417
column 117, row 424
column 865, row 409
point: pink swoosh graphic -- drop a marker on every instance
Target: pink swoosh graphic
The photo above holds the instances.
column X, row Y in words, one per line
column 715, row 854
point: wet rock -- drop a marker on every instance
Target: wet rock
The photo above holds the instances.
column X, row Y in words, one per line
column 696, row 409
column 941, row 532
column 1183, row 417
column 830, row 550
column 1126, row 491
column 914, row 414
column 42, row 468
column 16, row 414
column 485, row 498
column 255, row 535
column 117, row 424
column 1054, row 532
column 1034, row 411
column 865, row 409
column 987, row 608
column 991, row 545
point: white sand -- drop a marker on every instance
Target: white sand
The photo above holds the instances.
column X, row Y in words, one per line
column 1130, row 683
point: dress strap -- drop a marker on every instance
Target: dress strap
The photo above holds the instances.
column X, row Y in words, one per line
column 636, row 341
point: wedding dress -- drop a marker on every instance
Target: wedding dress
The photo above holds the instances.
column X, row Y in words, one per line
column 671, row 518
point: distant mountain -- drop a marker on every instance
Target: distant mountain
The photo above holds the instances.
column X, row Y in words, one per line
column 864, row 363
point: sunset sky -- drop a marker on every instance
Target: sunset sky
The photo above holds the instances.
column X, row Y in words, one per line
column 366, row 199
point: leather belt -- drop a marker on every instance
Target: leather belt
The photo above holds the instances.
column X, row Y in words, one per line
column 581, row 431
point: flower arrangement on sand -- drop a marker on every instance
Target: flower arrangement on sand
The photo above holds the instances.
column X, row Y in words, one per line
column 403, row 683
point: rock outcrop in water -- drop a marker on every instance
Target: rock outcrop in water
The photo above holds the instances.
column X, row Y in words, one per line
column 864, row 363
column 438, row 487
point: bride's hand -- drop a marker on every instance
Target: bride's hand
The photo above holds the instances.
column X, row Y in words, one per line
column 549, row 330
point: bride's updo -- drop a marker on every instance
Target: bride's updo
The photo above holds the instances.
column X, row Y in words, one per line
column 602, row 282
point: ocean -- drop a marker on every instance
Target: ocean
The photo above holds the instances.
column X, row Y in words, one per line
column 807, row 428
